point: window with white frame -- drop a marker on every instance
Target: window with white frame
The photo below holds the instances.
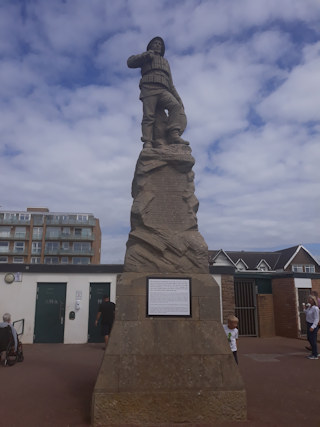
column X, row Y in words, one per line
column 37, row 232
column 24, row 217
column 3, row 259
column 82, row 218
column 19, row 247
column 36, row 247
column 35, row 260
column 309, row 268
column 297, row 268
column 64, row 260
column 65, row 246
column 4, row 247
column 18, row 259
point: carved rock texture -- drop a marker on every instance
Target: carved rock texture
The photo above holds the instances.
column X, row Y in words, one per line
column 164, row 233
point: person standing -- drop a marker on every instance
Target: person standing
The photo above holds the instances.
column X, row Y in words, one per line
column 312, row 318
column 106, row 312
column 231, row 330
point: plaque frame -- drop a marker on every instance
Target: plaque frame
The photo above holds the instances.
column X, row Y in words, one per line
column 151, row 310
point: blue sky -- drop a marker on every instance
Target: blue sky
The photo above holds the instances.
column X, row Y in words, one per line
column 247, row 72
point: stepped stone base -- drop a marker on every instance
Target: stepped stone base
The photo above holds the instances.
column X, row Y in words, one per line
column 167, row 370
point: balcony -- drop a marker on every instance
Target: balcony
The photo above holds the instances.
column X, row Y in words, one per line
column 70, row 237
column 69, row 252
column 13, row 252
column 15, row 236
column 14, row 221
column 71, row 221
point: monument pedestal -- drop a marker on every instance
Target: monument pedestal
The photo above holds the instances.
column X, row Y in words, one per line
column 167, row 370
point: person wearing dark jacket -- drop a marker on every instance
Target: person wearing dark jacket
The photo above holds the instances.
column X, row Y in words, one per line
column 106, row 312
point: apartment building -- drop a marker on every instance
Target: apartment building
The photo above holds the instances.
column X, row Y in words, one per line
column 38, row 236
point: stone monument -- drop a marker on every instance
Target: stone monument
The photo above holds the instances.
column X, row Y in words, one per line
column 168, row 360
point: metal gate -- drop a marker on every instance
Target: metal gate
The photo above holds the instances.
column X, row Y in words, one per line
column 246, row 307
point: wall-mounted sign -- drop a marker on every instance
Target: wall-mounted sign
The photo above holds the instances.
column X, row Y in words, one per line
column 168, row 296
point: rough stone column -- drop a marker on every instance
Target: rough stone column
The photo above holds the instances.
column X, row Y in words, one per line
column 164, row 231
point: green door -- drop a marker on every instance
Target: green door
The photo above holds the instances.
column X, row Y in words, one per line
column 50, row 313
column 97, row 291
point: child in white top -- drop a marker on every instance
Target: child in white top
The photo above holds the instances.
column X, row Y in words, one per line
column 232, row 333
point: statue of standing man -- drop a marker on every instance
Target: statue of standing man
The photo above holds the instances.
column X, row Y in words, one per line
column 158, row 95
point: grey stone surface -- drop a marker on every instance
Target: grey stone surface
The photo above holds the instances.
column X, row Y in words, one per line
column 164, row 234
column 160, row 370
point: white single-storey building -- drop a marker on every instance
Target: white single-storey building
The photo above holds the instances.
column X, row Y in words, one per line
column 58, row 303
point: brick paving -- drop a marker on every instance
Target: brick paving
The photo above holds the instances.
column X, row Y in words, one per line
column 53, row 386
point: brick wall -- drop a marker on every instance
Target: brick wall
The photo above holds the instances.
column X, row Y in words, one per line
column 228, row 305
column 316, row 286
column 285, row 307
column 265, row 315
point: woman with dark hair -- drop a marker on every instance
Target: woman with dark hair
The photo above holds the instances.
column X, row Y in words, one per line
column 312, row 318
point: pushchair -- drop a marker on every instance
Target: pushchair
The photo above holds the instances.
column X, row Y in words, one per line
column 7, row 344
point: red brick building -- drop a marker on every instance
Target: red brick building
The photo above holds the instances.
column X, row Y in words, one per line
column 266, row 289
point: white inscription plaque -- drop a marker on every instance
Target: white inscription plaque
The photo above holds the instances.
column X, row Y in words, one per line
column 168, row 297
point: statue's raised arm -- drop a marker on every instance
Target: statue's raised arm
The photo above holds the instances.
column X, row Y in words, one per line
column 158, row 95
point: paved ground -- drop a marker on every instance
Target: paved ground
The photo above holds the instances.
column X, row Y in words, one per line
column 53, row 386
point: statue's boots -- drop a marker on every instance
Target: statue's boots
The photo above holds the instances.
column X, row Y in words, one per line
column 175, row 138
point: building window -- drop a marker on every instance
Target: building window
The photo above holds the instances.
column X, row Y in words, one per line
column 86, row 232
column 64, row 260
column 10, row 216
column 35, row 260
column 309, row 268
column 82, row 218
column 77, row 231
column 81, row 246
column 20, row 232
column 37, row 219
column 3, row 259
column 18, row 259
column 37, row 232
column 65, row 245
column 4, row 247
column 66, row 231
column 51, row 260
column 53, row 232
column 19, row 247
column 52, row 247
column 297, row 268
column 80, row 260
column 24, row 217
column 36, row 248
column 5, row 231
